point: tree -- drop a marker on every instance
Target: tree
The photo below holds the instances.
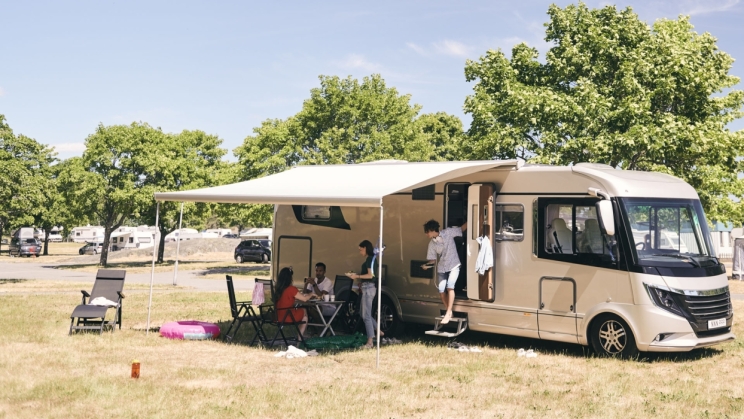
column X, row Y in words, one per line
column 194, row 161
column 345, row 121
column 55, row 210
column 24, row 164
column 109, row 182
column 615, row 90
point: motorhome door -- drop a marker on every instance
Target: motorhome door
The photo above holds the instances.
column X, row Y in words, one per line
column 296, row 252
column 480, row 224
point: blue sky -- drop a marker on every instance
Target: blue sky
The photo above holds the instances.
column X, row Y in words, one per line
column 223, row 67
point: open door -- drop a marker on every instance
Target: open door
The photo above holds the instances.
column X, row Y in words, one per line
column 480, row 223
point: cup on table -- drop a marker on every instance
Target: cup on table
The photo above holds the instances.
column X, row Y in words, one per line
column 333, row 297
column 326, row 297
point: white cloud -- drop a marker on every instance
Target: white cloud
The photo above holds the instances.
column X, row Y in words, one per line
column 358, row 61
column 701, row 7
column 69, row 147
column 419, row 50
column 453, row 48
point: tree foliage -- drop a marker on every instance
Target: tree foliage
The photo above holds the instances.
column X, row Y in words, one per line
column 345, row 121
column 24, row 177
column 109, row 182
column 614, row 90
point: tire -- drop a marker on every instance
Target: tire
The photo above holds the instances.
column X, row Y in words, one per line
column 81, row 252
column 95, row 252
column 612, row 337
column 390, row 323
column 349, row 317
column 239, row 259
column 264, row 258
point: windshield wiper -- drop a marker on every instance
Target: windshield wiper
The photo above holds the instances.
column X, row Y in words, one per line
column 688, row 259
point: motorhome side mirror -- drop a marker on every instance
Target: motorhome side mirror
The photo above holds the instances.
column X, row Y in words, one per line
column 606, row 217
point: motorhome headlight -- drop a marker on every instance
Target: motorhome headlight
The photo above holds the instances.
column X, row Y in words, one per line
column 664, row 299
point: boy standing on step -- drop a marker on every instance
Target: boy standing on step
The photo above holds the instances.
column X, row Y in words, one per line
column 442, row 245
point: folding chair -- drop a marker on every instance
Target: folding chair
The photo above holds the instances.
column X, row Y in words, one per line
column 348, row 315
column 241, row 311
column 270, row 315
column 109, row 285
column 265, row 309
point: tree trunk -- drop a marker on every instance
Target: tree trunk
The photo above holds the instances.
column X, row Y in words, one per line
column 104, row 251
column 2, row 228
column 46, row 242
column 161, row 247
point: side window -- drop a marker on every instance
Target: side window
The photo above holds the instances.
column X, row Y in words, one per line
column 558, row 232
column 508, row 224
column 131, row 240
column 569, row 231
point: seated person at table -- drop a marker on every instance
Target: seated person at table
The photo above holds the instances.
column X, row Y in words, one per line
column 288, row 295
column 320, row 285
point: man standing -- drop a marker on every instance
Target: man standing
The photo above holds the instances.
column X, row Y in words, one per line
column 320, row 285
column 442, row 245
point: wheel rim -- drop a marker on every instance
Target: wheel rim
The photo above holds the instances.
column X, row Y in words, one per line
column 612, row 337
column 239, row 259
column 387, row 317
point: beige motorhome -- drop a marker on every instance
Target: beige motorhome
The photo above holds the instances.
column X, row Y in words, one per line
column 618, row 260
column 556, row 273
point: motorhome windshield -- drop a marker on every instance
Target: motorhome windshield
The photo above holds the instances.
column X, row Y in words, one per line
column 668, row 232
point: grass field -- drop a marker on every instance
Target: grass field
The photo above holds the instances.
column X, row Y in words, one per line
column 45, row 373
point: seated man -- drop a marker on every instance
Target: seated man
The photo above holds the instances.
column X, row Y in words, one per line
column 320, row 285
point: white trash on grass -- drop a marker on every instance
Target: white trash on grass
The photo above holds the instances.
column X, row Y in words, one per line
column 527, row 354
column 293, row 352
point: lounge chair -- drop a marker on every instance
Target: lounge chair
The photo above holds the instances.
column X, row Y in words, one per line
column 106, row 293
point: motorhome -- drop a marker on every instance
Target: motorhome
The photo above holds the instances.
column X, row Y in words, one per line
column 218, row 231
column 132, row 238
column 569, row 261
column 257, row 234
column 55, row 234
column 87, row 234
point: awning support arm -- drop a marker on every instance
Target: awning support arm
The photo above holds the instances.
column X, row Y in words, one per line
column 152, row 272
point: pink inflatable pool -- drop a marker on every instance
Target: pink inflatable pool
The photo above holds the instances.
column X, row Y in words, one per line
column 190, row 330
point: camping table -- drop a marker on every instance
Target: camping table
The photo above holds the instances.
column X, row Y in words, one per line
column 318, row 304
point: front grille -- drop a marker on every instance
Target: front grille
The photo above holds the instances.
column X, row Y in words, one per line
column 700, row 309
column 706, row 308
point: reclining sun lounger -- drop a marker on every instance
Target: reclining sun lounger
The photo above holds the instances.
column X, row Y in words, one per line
column 106, row 293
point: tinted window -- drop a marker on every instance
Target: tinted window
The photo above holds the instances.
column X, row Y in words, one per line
column 265, row 243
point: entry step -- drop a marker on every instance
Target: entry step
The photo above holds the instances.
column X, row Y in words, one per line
column 459, row 323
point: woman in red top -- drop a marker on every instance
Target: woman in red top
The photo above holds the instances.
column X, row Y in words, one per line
column 287, row 295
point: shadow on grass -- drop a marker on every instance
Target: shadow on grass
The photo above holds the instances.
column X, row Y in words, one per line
column 514, row 343
column 12, row 281
column 257, row 270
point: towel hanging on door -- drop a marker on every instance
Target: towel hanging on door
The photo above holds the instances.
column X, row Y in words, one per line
column 485, row 255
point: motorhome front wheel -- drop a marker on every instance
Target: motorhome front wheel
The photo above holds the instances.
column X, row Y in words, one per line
column 611, row 336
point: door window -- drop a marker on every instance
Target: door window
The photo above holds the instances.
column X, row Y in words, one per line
column 569, row 231
column 508, row 223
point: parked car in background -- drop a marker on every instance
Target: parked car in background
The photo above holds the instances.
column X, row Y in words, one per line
column 24, row 247
column 230, row 236
column 93, row 248
column 253, row 250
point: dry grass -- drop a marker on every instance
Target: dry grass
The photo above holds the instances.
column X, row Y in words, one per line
column 213, row 269
column 45, row 373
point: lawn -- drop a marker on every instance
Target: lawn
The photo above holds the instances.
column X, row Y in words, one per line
column 45, row 373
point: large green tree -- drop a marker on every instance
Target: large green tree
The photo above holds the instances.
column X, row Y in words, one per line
column 109, row 182
column 614, row 90
column 24, row 176
column 194, row 161
column 347, row 121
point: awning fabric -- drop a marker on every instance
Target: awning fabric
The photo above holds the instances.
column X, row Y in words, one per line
column 358, row 185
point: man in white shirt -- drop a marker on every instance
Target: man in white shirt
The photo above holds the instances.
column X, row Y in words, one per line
column 442, row 245
column 320, row 285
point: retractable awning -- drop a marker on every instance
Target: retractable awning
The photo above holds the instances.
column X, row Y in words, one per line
column 359, row 185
